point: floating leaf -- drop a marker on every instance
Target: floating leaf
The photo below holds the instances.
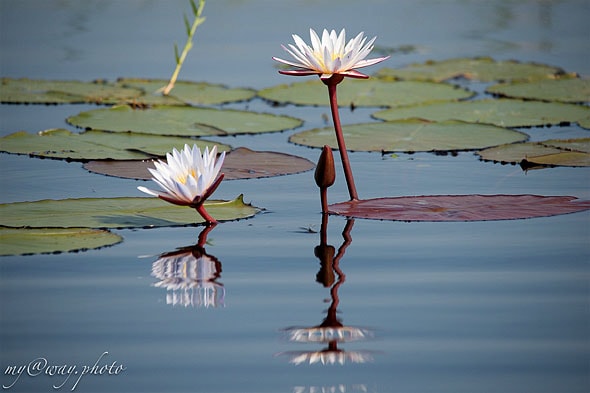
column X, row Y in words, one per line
column 372, row 92
column 19, row 241
column 32, row 91
column 571, row 152
column 502, row 112
column 241, row 163
column 195, row 93
column 96, row 145
column 115, row 213
column 182, row 121
column 574, row 90
column 460, row 207
column 482, row 69
column 411, row 136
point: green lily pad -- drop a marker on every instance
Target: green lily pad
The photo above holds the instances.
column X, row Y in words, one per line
column 96, row 145
column 116, row 213
column 446, row 208
column 571, row 152
column 411, row 136
column 35, row 91
column 574, row 90
column 241, row 163
column 483, row 69
column 21, row 241
column 182, row 121
column 502, row 112
column 185, row 92
column 372, row 92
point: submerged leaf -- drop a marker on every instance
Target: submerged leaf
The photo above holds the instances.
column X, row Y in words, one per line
column 20, row 241
column 182, row 121
column 241, row 163
column 186, row 92
column 570, row 152
column 460, row 207
column 372, row 92
column 411, row 136
column 116, row 213
column 502, row 112
column 482, row 69
column 32, row 91
column 573, row 90
column 96, row 145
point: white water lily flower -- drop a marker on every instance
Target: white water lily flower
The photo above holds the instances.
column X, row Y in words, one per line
column 330, row 56
column 187, row 177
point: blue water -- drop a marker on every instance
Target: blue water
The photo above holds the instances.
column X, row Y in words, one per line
column 452, row 307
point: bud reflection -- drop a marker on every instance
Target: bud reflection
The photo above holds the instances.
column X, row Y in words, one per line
column 190, row 276
column 331, row 331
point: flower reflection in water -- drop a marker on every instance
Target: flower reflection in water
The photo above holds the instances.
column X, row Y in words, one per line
column 331, row 331
column 190, row 275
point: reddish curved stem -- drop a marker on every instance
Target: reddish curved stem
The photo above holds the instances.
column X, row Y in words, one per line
column 340, row 139
column 208, row 218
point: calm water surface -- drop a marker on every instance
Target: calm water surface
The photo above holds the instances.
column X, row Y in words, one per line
column 450, row 307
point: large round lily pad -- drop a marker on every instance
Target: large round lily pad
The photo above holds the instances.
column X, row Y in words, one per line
column 372, row 92
column 116, row 213
column 241, row 163
column 574, row 90
column 501, row 112
column 35, row 91
column 182, row 121
column 96, row 145
column 460, row 207
column 570, row 152
column 185, row 92
column 20, row 241
column 483, row 69
column 411, row 136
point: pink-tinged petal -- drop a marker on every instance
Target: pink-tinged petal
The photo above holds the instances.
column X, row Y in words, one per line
column 354, row 74
column 325, row 76
column 299, row 72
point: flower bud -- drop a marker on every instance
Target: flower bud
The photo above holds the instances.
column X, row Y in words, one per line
column 325, row 172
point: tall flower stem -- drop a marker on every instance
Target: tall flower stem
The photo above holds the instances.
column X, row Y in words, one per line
column 332, row 83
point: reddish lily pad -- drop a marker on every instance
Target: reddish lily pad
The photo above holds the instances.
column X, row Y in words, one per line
column 460, row 207
column 241, row 163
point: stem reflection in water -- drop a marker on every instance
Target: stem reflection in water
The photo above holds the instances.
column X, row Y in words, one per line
column 331, row 331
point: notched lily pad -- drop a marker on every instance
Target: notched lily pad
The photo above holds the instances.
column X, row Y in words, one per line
column 24, row 241
column 116, row 213
column 96, row 145
column 411, row 136
column 372, row 92
column 500, row 112
column 185, row 92
column 460, row 207
column 36, row 91
column 182, row 121
column 573, row 90
column 482, row 69
column 570, row 152
column 241, row 163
